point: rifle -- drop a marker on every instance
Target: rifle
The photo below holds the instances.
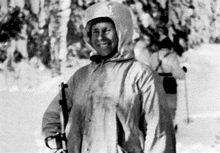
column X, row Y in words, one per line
column 60, row 138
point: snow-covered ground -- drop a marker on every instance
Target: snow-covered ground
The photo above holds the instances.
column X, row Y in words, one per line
column 22, row 106
column 202, row 93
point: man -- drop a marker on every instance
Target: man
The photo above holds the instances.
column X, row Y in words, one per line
column 115, row 102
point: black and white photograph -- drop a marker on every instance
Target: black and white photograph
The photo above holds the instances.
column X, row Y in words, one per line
column 109, row 76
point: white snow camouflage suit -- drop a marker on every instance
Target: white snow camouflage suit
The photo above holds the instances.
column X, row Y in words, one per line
column 115, row 105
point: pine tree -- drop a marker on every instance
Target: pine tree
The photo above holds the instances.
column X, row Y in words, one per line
column 11, row 25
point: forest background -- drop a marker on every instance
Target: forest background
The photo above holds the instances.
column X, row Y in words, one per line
column 193, row 21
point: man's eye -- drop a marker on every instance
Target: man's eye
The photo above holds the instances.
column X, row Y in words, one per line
column 95, row 32
column 107, row 30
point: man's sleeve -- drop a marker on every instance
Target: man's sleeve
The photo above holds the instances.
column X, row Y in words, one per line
column 160, row 136
column 51, row 118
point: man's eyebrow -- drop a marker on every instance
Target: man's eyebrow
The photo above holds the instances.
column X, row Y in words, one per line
column 95, row 29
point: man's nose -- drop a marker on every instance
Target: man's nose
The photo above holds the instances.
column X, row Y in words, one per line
column 101, row 36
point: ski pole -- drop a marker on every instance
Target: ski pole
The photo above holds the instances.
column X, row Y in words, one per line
column 186, row 97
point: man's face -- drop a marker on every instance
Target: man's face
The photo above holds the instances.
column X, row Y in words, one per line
column 104, row 38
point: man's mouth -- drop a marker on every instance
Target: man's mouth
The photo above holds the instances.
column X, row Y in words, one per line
column 103, row 45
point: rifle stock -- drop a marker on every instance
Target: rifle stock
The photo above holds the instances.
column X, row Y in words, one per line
column 60, row 138
column 63, row 117
column 63, row 104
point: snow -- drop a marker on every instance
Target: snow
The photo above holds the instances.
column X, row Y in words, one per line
column 23, row 101
column 203, row 88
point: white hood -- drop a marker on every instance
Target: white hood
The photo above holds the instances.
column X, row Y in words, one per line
column 121, row 16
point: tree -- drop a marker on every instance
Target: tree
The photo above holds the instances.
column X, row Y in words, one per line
column 197, row 19
column 11, row 24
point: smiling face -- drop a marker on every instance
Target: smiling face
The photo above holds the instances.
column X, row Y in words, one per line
column 104, row 38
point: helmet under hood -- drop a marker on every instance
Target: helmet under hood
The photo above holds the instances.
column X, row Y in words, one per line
column 121, row 16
